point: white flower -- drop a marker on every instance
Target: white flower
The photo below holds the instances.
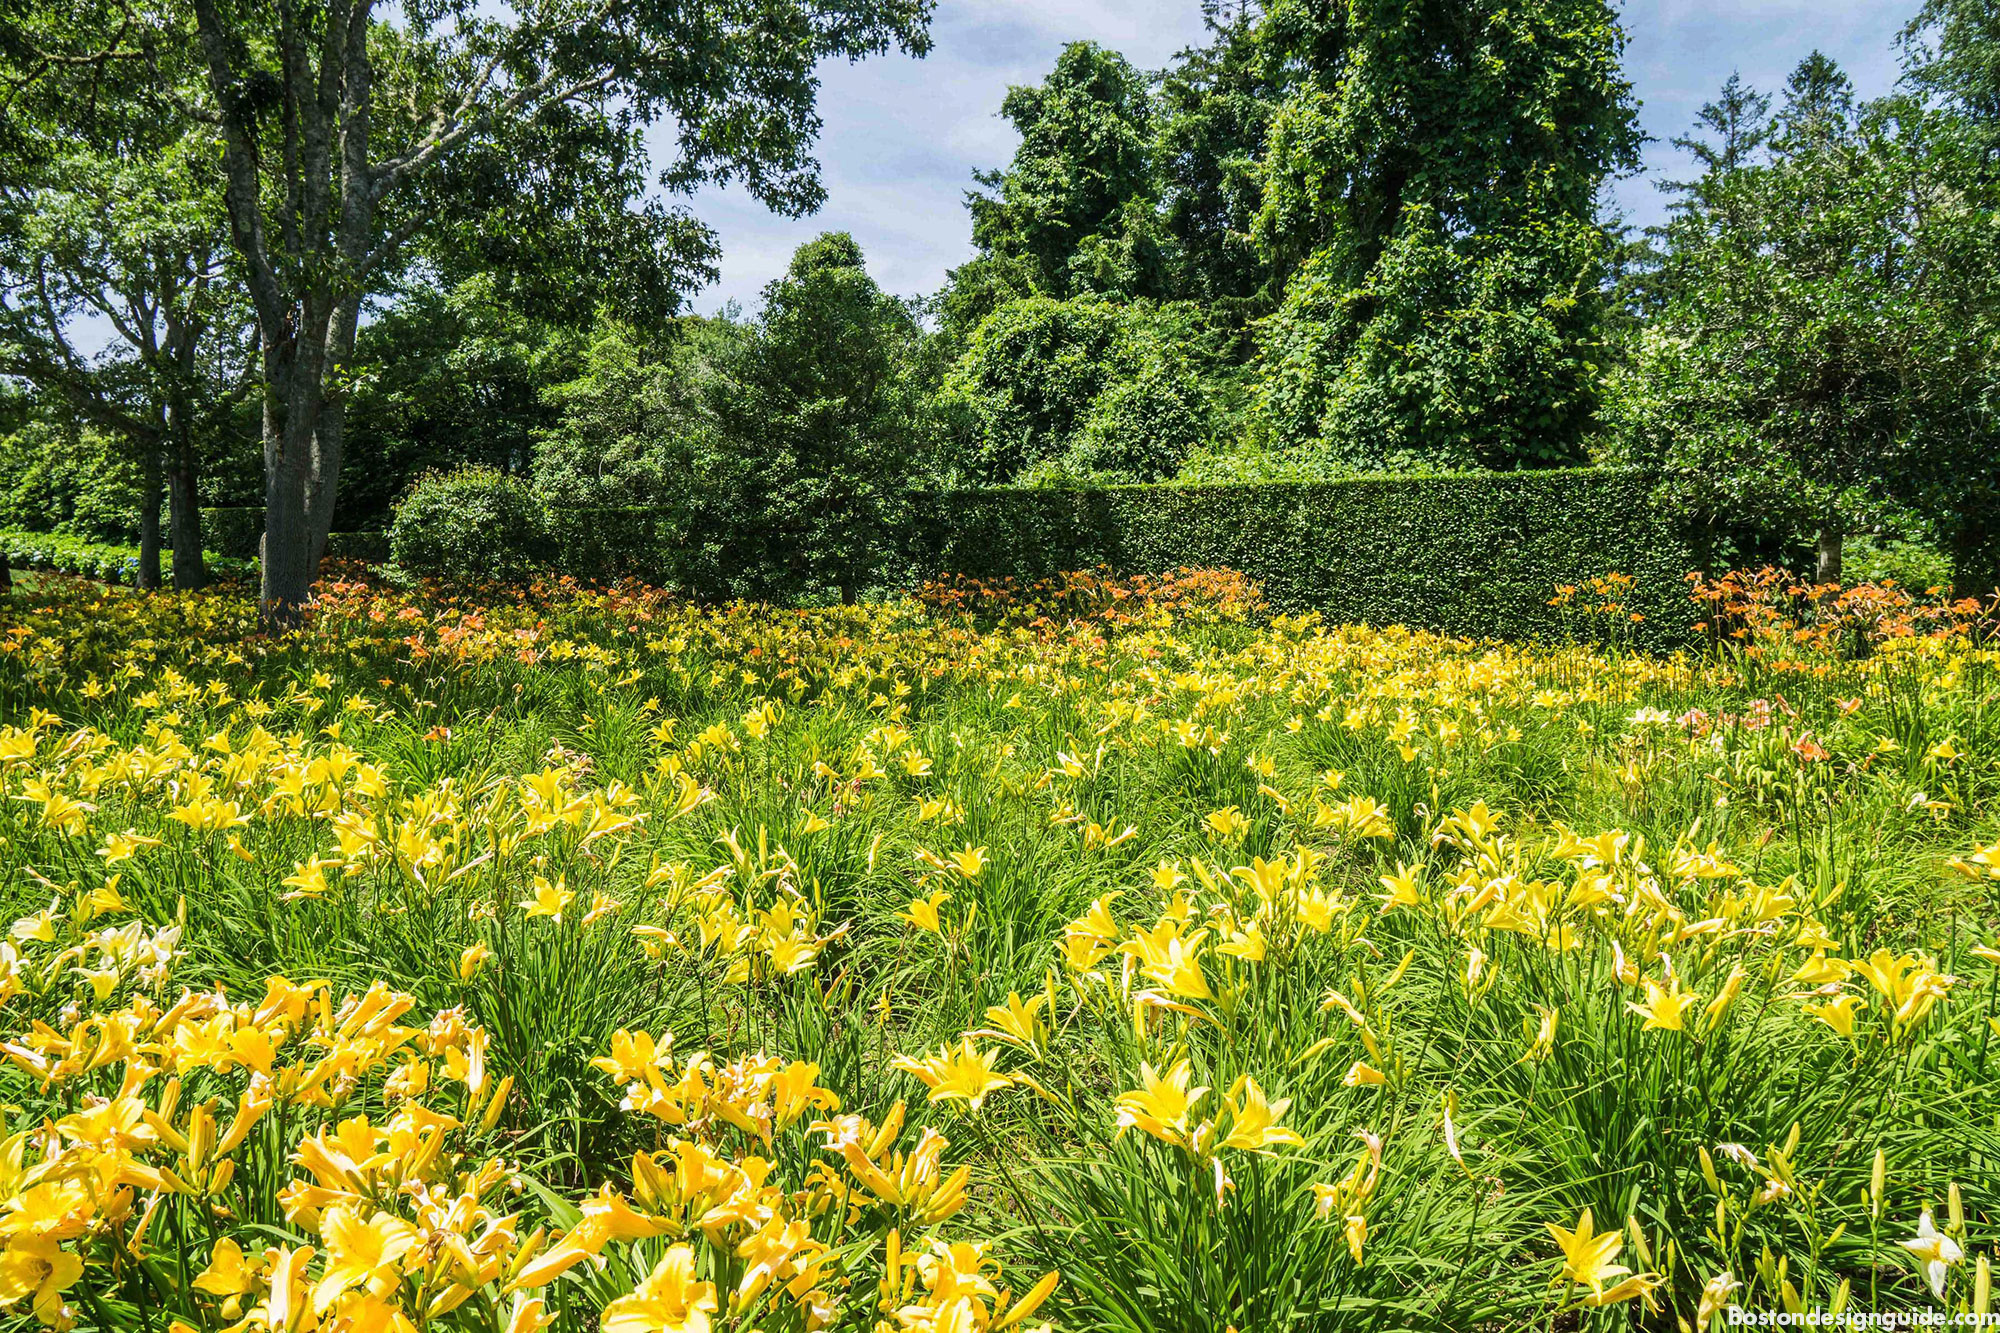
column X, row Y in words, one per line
column 1715, row 1297
column 1935, row 1250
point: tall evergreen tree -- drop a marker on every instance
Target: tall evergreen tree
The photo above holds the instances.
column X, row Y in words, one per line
column 820, row 425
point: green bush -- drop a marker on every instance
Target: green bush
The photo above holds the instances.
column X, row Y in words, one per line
column 76, row 482
column 1479, row 554
column 604, row 544
column 469, row 526
column 107, row 562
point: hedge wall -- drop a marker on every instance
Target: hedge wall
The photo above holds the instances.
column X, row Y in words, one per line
column 235, row 530
column 1476, row 554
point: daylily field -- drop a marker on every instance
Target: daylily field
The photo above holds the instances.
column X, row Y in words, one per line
column 1111, row 957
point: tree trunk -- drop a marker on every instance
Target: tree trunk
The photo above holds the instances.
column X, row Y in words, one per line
column 847, row 592
column 1832, row 543
column 6, row 574
column 287, row 549
column 184, row 519
column 149, row 520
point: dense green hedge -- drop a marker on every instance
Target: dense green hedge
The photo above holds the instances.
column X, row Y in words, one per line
column 1475, row 554
column 107, row 562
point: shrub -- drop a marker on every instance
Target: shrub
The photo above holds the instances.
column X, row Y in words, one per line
column 469, row 526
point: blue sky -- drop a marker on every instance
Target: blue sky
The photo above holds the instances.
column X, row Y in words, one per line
column 902, row 137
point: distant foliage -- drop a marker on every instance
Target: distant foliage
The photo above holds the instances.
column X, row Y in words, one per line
column 449, row 378
column 1450, row 353
column 1082, row 172
column 1076, row 390
column 105, row 562
column 1823, row 360
column 821, row 418
column 631, row 428
column 75, row 482
column 469, row 526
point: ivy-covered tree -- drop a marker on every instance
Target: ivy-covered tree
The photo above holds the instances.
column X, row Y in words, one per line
column 1081, row 179
column 1083, row 389
column 1436, row 159
column 1216, row 106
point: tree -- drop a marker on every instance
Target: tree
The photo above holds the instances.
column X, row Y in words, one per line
column 1216, row 106
column 640, row 427
column 1078, row 389
column 111, row 230
column 1461, row 147
column 445, row 379
column 820, row 422
column 1951, row 56
column 1083, row 170
column 1454, row 353
column 1825, row 360
column 348, row 138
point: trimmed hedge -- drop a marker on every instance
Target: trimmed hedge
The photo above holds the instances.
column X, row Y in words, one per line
column 106, row 562
column 1478, row 554
column 369, row 546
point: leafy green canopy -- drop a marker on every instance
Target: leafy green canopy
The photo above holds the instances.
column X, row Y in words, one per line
column 1083, row 161
column 1823, row 361
column 1435, row 177
column 356, row 138
column 1084, row 388
column 771, row 458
